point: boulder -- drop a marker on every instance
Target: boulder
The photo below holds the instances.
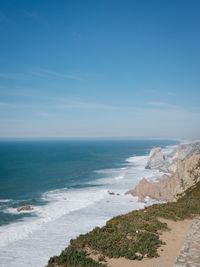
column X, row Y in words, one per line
column 24, row 208
column 111, row 193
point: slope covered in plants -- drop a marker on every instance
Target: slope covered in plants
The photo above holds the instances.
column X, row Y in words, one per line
column 134, row 235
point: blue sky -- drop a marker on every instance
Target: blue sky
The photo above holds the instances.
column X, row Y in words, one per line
column 100, row 68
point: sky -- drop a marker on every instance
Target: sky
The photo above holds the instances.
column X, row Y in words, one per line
column 100, row 68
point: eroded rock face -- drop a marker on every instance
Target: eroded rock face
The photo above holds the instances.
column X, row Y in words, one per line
column 187, row 174
column 156, row 158
column 185, row 151
column 170, row 188
column 168, row 163
column 155, row 190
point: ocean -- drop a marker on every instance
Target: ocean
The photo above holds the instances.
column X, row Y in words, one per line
column 67, row 182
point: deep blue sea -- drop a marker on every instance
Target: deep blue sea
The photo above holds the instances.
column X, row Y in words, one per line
column 67, row 184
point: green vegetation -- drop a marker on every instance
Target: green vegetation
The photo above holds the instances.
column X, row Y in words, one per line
column 72, row 257
column 134, row 235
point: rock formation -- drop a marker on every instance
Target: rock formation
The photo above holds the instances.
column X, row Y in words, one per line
column 156, row 158
column 168, row 163
column 185, row 151
column 186, row 164
column 24, row 208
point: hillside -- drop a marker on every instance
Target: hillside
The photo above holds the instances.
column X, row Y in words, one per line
column 133, row 236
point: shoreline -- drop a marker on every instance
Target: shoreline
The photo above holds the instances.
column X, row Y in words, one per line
column 116, row 203
column 169, row 222
column 139, row 237
column 150, row 225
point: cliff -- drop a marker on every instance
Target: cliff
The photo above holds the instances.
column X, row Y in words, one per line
column 136, row 235
column 156, row 158
column 183, row 163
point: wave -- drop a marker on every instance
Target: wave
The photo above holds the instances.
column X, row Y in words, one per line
column 60, row 202
column 69, row 212
column 5, row 200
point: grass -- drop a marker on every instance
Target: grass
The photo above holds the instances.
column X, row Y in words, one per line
column 134, row 235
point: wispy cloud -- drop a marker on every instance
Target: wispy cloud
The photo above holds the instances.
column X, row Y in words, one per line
column 43, row 73
column 74, row 103
column 171, row 93
column 58, row 74
column 14, row 105
column 162, row 104
column 3, row 104
column 158, row 92
column 78, row 76
column 150, row 91
column 60, row 103
column 13, row 76
column 46, row 73
column 43, row 114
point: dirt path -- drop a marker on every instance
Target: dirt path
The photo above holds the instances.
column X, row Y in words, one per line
column 174, row 240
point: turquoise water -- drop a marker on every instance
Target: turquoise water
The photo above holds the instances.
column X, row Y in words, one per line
column 30, row 168
column 67, row 183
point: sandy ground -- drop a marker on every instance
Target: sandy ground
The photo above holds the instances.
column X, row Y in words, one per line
column 174, row 240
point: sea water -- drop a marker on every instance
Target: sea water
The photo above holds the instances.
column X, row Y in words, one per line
column 68, row 185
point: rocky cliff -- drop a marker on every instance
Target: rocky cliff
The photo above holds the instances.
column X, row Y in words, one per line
column 168, row 163
column 156, row 158
column 183, row 163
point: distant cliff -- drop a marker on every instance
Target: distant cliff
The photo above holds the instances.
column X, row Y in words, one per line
column 183, row 164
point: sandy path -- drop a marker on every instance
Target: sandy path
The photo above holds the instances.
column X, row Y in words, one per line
column 168, row 253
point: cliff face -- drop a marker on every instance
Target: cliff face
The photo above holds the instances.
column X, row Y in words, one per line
column 156, row 158
column 185, row 151
column 156, row 190
column 185, row 161
column 169, row 163
column 187, row 174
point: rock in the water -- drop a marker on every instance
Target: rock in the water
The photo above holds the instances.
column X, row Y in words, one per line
column 156, row 158
column 24, row 208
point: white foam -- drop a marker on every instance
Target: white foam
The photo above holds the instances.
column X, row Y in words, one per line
column 15, row 211
column 139, row 160
column 5, row 200
column 65, row 201
column 61, row 202
column 70, row 213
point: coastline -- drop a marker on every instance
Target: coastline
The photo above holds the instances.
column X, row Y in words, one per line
column 146, row 227
column 103, row 210
column 141, row 234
